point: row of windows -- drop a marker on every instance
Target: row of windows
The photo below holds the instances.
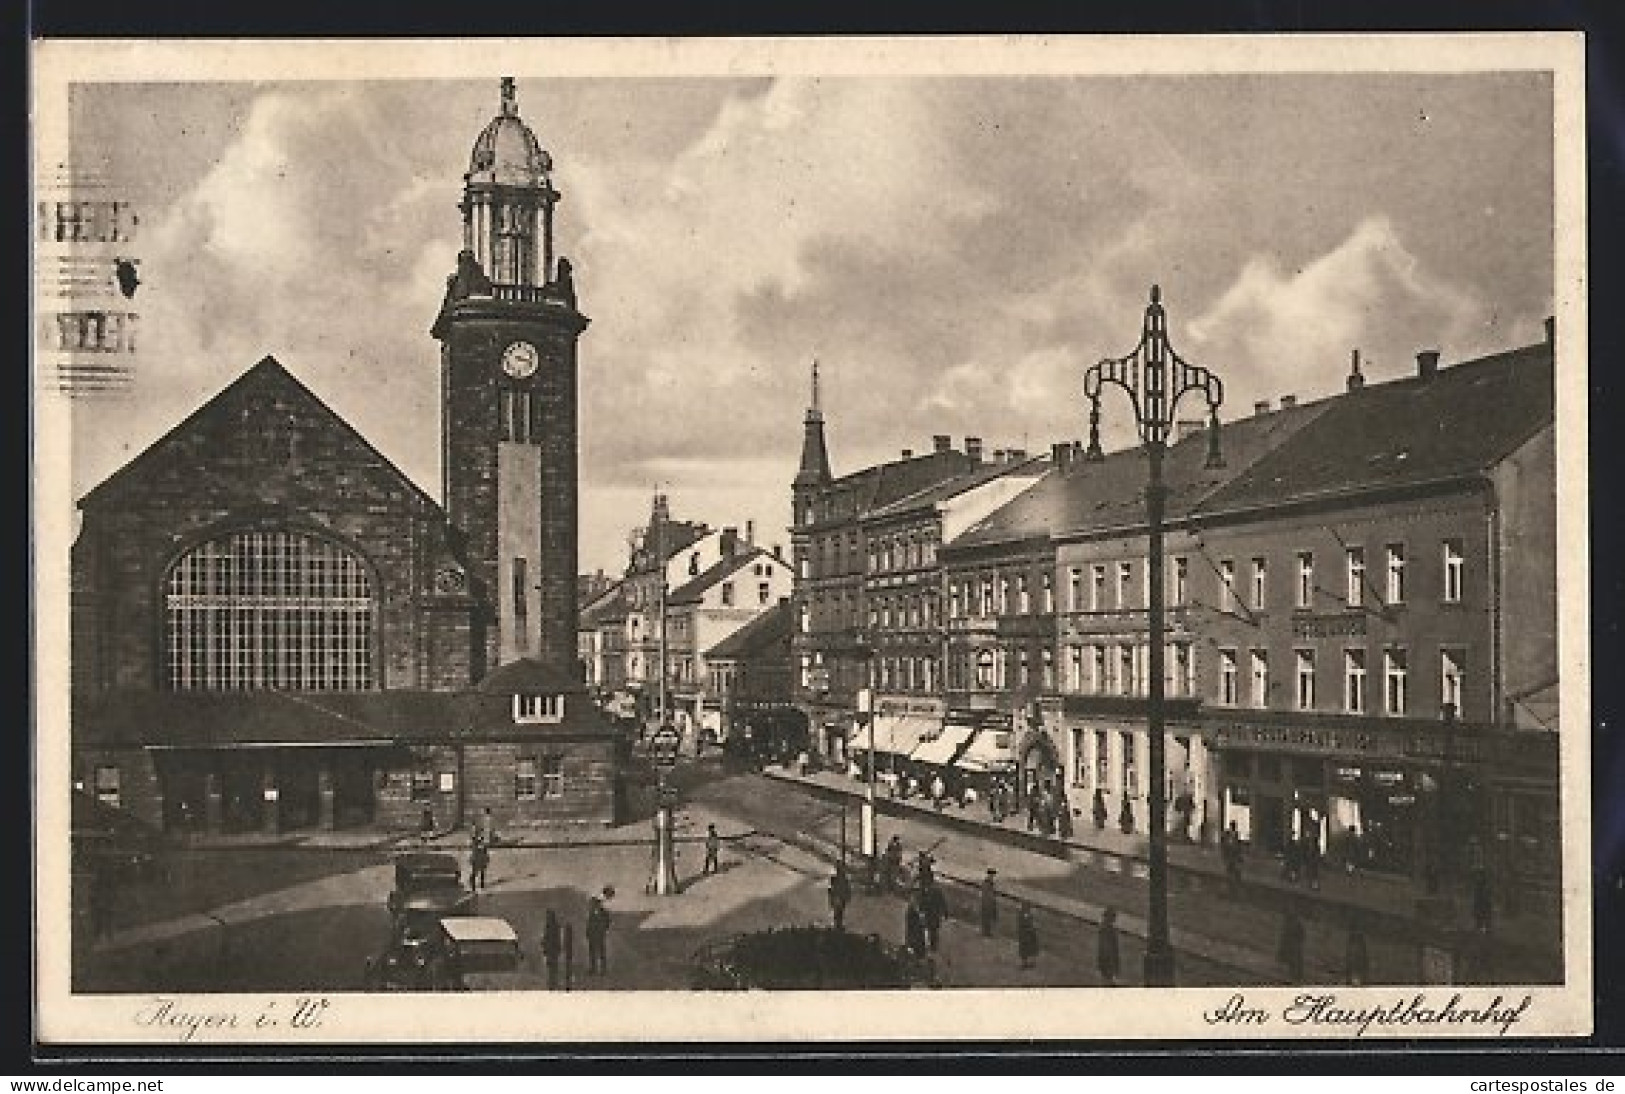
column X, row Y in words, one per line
column 1124, row 668
column 990, row 595
column 87, row 221
column 534, row 778
column 1395, row 679
column 905, row 674
column 1107, row 586
column 764, row 592
column 998, row 668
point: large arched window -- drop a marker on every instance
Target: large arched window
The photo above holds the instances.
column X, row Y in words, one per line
column 269, row 610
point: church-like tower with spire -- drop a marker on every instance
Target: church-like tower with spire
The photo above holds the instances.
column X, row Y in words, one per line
column 508, row 328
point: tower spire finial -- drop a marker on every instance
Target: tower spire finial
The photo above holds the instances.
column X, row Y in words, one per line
column 816, row 407
column 510, row 104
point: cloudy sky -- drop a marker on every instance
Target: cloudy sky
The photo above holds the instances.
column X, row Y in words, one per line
column 954, row 251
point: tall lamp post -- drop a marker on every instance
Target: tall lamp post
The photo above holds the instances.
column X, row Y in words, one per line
column 1155, row 378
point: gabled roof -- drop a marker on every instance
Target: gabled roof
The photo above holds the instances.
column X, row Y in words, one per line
column 1459, row 422
column 948, row 489
column 1085, row 498
column 527, row 676
column 268, row 373
column 771, row 628
column 875, row 487
column 607, row 607
column 693, row 589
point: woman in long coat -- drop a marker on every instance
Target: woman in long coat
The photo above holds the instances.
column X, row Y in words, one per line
column 1026, row 937
column 1108, row 958
column 914, row 928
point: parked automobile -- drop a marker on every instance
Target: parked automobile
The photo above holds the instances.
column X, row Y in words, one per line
column 452, row 953
column 430, row 883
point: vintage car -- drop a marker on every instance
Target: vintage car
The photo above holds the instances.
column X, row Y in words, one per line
column 482, row 953
column 454, row 953
column 428, row 883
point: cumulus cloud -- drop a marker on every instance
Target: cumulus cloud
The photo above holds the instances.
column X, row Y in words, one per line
column 953, row 251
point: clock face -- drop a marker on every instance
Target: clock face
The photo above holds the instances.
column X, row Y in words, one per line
column 519, row 360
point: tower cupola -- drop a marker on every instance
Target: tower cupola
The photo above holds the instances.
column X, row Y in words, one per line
column 508, row 200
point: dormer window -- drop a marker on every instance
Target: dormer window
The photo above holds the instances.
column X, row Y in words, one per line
column 536, row 709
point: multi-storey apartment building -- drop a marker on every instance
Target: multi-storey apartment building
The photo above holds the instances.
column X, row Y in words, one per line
column 830, row 552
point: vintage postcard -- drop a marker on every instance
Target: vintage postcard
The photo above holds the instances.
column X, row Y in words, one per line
column 801, row 540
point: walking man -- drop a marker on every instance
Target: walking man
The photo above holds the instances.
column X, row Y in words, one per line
column 914, row 927
column 597, row 937
column 479, row 858
column 840, row 893
column 1108, row 959
column 1026, row 936
column 990, row 903
column 713, row 844
column 1230, row 851
column 552, row 947
column 934, row 909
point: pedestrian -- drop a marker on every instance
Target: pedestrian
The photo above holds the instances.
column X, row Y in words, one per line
column 933, row 909
column 569, row 956
column 1482, row 905
column 939, row 792
column 1108, row 958
column 597, row 937
column 914, row 927
column 486, row 830
column 990, row 903
column 1063, row 814
column 426, row 823
column 713, row 844
column 1311, row 856
column 1100, row 809
column 840, row 893
column 891, row 863
column 1289, row 952
column 1289, row 859
column 1357, row 956
column 924, row 872
column 1032, row 807
column 478, row 860
column 1230, row 852
column 552, row 948
column 1026, row 936
column 1125, row 816
column 1352, row 847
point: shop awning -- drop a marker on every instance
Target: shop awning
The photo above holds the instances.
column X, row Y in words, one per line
column 898, row 735
column 986, row 754
column 941, row 749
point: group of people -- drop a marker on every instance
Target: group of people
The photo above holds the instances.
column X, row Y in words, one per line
column 1289, row 950
column 558, row 944
column 1048, row 811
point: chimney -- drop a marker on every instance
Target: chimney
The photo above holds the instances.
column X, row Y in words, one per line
column 730, row 542
column 908, row 453
column 1288, row 402
column 1551, row 331
column 973, row 449
column 1427, row 363
column 1356, row 381
column 1189, row 427
column 1261, row 407
column 778, row 551
column 941, row 443
column 750, row 533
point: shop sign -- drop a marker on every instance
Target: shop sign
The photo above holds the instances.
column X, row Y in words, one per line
column 1347, row 774
column 1402, row 799
column 901, row 708
column 1303, row 739
column 1388, row 778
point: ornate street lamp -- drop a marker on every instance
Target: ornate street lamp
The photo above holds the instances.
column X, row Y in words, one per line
column 1155, row 378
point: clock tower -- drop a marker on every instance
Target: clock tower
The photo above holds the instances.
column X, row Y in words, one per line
column 507, row 329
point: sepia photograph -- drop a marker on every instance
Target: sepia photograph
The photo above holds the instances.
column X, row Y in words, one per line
column 722, row 539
